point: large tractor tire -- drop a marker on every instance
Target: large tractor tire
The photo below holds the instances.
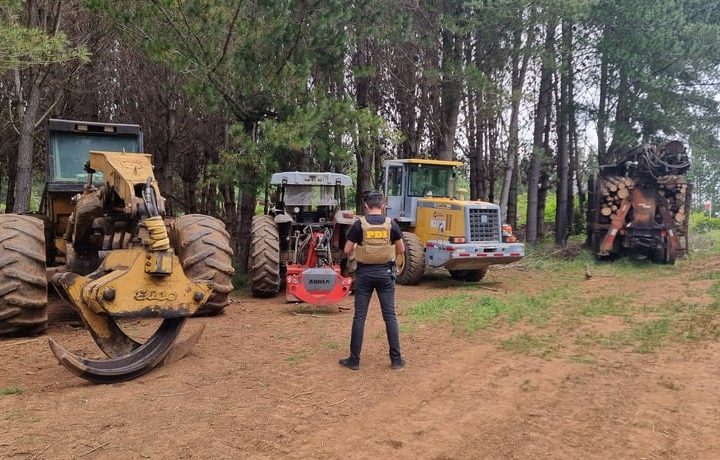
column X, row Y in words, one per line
column 665, row 254
column 203, row 246
column 264, row 266
column 413, row 268
column 23, row 278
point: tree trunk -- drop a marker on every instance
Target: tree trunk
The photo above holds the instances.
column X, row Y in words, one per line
column 562, row 156
column 542, row 199
column 544, row 102
column 511, row 217
column 518, row 72
column 23, row 179
column 11, row 173
column 623, row 131
column 450, row 95
column 477, row 154
column 164, row 156
column 575, row 172
column 244, row 222
column 602, row 117
column 492, row 161
column 363, row 155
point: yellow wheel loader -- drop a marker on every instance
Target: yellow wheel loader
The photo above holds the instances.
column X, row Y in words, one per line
column 105, row 244
column 441, row 230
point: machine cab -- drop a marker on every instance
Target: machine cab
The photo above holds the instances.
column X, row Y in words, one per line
column 68, row 150
column 308, row 197
column 406, row 181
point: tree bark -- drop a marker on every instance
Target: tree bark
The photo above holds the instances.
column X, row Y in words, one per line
column 363, row 155
column 511, row 217
column 544, row 103
column 562, row 156
column 602, row 117
column 623, row 131
column 518, row 72
column 449, row 95
column 23, row 178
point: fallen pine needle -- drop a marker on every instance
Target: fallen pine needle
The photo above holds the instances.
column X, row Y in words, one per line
column 21, row 342
column 303, row 393
column 167, row 395
column 93, row 450
column 40, row 453
column 339, row 402
column 312, row 315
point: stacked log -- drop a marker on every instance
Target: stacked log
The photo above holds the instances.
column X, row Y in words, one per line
column 675, row 189
column 613, row 189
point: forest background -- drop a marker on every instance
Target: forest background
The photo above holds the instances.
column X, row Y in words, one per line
column 531, row 95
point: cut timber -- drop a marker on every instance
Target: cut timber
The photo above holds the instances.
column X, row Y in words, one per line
column 605, row 211
column 623, row 193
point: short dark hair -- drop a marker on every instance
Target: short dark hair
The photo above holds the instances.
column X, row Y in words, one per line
column 373, row 199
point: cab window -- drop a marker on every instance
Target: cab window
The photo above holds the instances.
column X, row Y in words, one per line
column 394, row 181
column 430, row 181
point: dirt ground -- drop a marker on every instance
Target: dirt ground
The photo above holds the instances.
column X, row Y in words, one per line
column 264, row 383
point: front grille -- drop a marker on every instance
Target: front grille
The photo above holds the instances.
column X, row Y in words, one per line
column 483, row 224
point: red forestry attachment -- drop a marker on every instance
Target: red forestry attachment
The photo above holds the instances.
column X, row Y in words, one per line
column 316, row 286
column 317, row 281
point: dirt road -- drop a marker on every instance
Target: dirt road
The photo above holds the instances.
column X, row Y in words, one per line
column 569, row 377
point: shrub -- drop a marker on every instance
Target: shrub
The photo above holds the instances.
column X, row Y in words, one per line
column 700, row 223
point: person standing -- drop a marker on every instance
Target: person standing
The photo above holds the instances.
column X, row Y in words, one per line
column 377, row 242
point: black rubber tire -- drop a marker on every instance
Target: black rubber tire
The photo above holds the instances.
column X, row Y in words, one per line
column 203, row 247
column 473, row 276
column 414, row 267
column 668, row 254
column 264, row 264
column 23, row 276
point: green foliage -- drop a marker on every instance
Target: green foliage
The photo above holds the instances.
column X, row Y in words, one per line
column 658, row 72
column 550, row 208
column 272, row 68
column 28, row 46
column 701, row 223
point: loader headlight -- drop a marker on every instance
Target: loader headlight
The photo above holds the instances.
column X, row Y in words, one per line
column 296, row 210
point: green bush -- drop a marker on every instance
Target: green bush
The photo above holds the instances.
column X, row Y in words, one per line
column 700, row 223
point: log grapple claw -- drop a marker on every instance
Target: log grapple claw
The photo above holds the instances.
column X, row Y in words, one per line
column 158, row 289
column 138, row 362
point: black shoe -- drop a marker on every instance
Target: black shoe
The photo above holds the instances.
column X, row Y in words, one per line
column 398, row 364
column 349, row 363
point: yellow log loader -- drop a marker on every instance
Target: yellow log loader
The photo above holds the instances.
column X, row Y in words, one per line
column 107, row 247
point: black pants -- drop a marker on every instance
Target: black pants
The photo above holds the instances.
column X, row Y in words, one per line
column 367, row 280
